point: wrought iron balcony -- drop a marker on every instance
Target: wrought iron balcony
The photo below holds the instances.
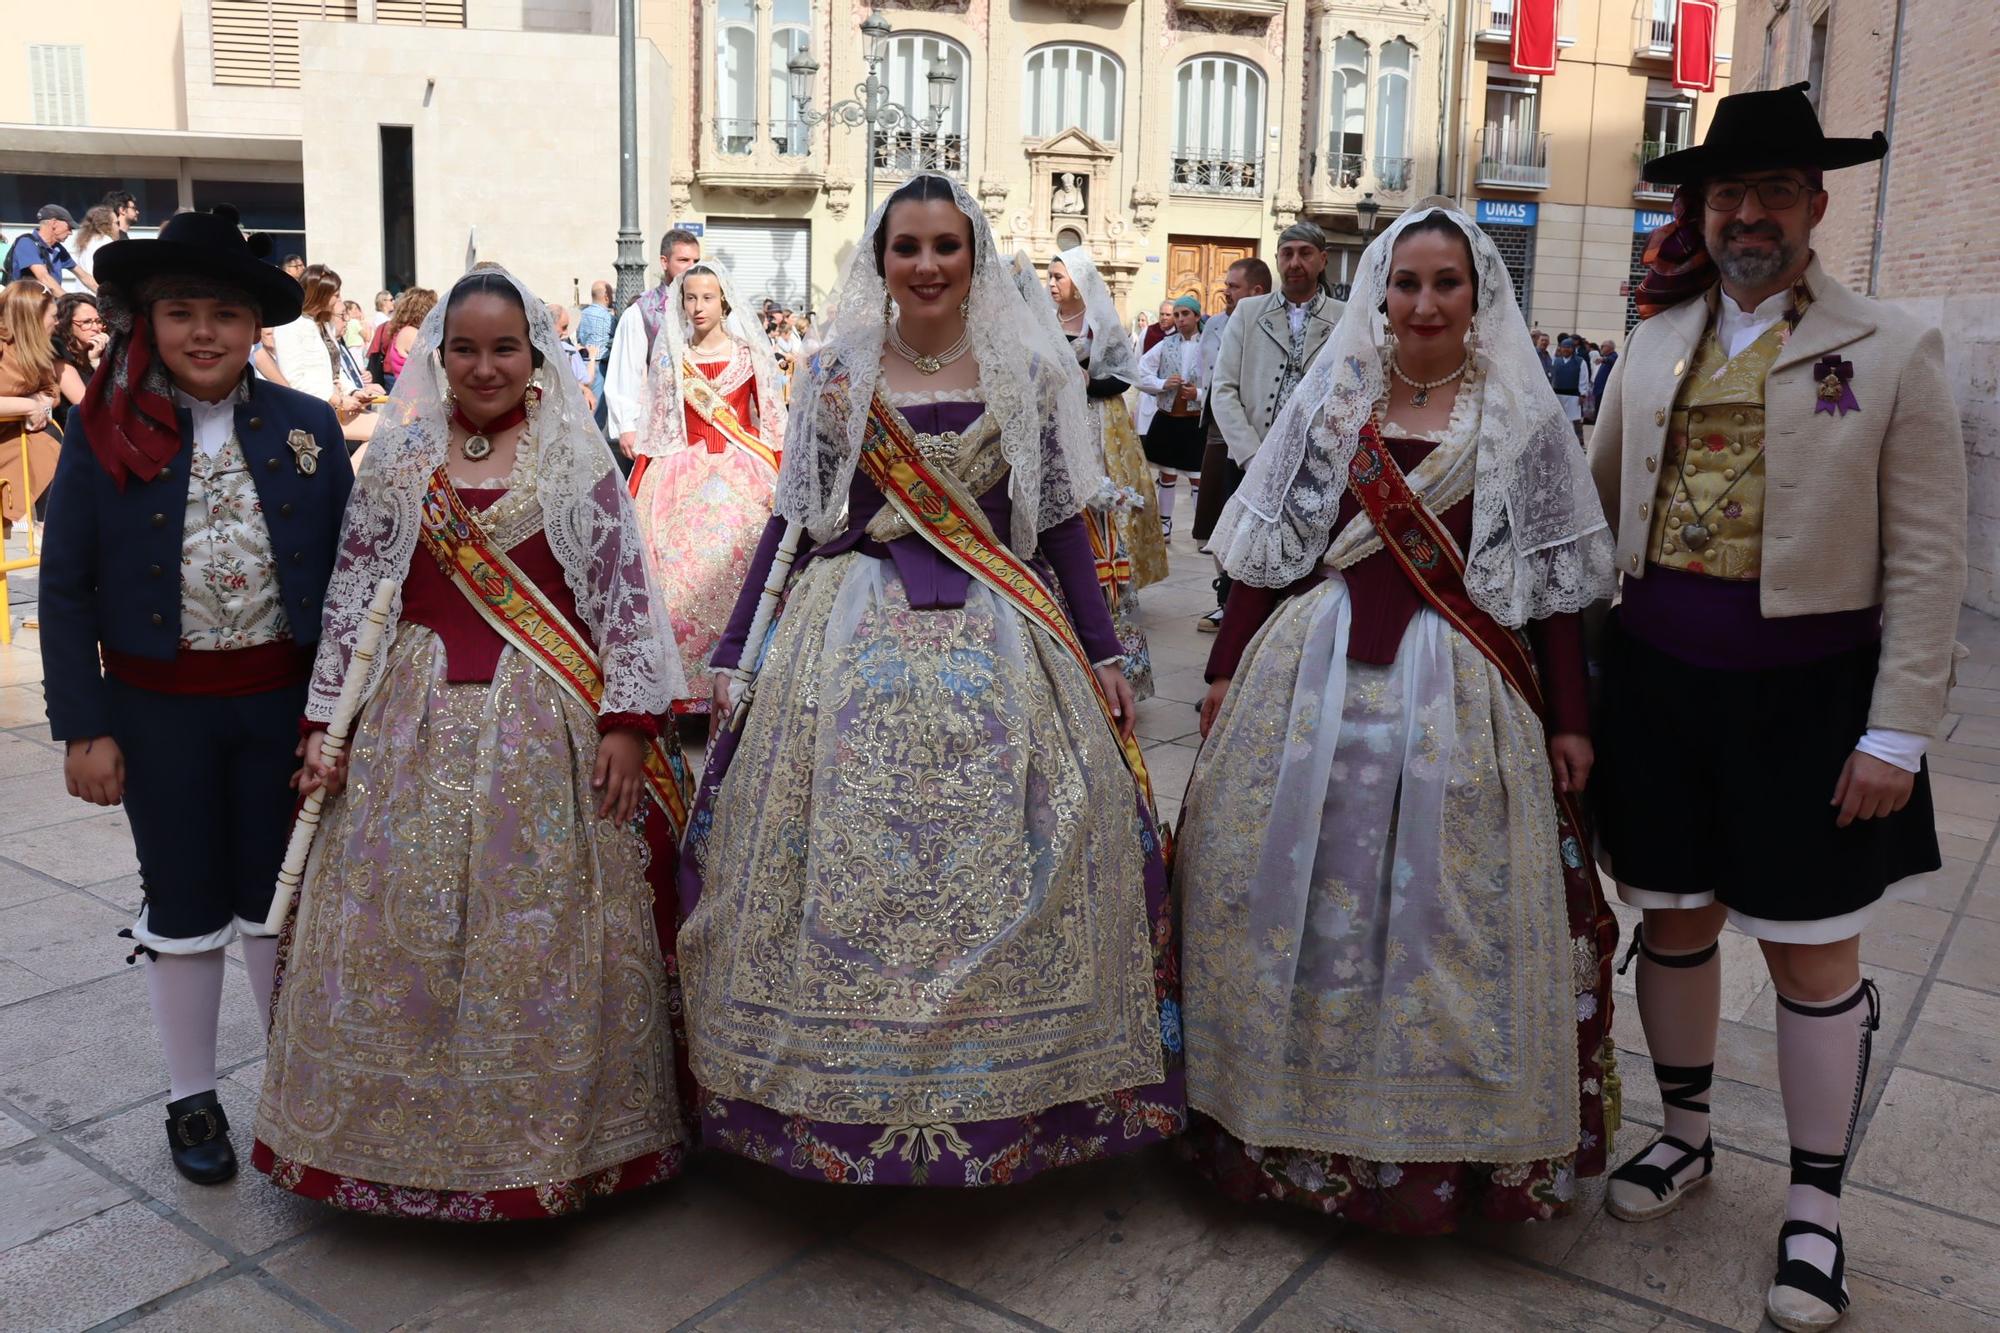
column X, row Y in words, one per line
column 1513, row 159
column 1647, row 151
column 1392, row 174
column 1218, row 173
column 735, row 136
column 1653, row 29
column 905, row 152
column 1344, row 170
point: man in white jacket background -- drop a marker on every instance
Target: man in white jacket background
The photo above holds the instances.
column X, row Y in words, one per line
column 632, row 345
column 1173, row 386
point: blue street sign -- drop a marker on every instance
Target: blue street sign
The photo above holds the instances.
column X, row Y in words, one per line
column 1645, row 221
column 1506, row 213
column 696, row 228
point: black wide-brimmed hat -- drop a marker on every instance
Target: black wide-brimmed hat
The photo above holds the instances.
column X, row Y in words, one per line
column 204, row 245
column 1764, row 131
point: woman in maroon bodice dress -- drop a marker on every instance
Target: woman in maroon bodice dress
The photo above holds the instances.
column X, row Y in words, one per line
column 1397, row 957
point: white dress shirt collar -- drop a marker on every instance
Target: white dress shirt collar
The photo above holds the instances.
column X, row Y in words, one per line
column 212, row 421
column 1736, row 328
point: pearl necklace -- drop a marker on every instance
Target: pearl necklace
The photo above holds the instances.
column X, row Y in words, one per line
column 1423, row 387
column 924, row 362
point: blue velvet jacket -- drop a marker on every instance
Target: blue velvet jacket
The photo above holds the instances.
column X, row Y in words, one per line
column 110, row 573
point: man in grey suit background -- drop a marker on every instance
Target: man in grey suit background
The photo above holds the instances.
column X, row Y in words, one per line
column 1270, row 343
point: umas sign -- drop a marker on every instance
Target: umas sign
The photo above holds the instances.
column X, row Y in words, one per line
column 1506, row 213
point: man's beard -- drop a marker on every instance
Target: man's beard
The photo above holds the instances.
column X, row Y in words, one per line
column 1754, row 268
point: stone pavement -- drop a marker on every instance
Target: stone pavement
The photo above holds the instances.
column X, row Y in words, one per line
column 97, row 1230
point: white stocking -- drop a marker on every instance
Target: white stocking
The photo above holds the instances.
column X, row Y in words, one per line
column 186, row 990
column 260, row 957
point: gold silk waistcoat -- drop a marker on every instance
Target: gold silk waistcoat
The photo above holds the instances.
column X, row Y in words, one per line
column 1711, row 486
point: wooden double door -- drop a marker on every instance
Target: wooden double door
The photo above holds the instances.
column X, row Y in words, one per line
column 1196, row 266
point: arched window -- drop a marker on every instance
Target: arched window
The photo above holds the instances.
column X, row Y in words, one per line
column 1218, row 126
column 1392, row 114
column 1072, row 85
column 1348, row 99
column 791, row 31
column 911, row 58
column 735, row 76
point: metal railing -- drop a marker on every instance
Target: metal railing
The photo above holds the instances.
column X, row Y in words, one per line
column 792, row 138
column 10, row 563
column 1653, row 28
column 1393, row 173
column 1513, row 159
column 1495, row 17
column 1218, row 173
column 1647, row 150
column 735, row 136
column 906, row 152
column 1344, row 169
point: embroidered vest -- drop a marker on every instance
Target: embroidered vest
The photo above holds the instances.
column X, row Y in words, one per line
column 1708, row 510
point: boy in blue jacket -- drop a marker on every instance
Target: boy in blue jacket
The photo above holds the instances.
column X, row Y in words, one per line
column 192, row 527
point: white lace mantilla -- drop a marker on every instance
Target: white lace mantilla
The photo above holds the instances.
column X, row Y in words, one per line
column 1027, row 379
column 1540, row 544
column 585, row 515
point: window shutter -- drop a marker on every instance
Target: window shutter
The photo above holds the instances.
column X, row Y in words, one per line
column 421, row 13
column 256, row 42
column 55, row 78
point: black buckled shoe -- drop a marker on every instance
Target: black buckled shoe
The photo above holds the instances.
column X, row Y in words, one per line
column 198, row 1137
column 1802, row 1299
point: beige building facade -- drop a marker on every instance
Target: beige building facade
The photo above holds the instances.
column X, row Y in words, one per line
column 1170, row 137
column 1551, row 165
column 395, row 139
column 1918, row 228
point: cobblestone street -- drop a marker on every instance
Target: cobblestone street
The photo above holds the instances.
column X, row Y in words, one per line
column 98, row 1231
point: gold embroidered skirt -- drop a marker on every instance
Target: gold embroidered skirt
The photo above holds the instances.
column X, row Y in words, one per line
column 1125, row 463
column 473, row 1017
column 1378, row 957
column 922, row 880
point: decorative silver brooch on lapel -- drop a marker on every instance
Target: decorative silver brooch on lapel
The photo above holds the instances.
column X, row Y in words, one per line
column 305, row 451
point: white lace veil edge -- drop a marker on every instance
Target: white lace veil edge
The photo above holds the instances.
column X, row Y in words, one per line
column 586, row 517
column 664, row 429
column 1025, row 379
column 1540, row 544
column 1112, row 355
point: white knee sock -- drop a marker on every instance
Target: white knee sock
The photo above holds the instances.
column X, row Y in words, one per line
column 1823, row 1049
column 260, row 958
column 1166, row 494
column 186, row 990
column 1680, row 1003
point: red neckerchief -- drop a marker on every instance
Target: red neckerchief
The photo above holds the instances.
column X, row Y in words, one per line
column 132, row 429
column 507, row 420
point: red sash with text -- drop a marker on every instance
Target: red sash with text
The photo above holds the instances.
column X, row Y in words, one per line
column 509, row 601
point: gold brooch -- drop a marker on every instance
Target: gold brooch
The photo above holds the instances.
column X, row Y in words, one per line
column 305, row 451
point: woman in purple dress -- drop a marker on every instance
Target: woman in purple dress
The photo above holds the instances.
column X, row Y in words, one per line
column 928, row 939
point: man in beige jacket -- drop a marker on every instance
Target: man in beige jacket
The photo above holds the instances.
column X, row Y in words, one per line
column 1781, row 460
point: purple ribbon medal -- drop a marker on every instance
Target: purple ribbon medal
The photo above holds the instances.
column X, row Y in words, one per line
column 1836, row 386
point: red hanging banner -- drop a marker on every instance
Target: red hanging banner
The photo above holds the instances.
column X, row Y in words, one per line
column 1694, row 45
column 1534, row 45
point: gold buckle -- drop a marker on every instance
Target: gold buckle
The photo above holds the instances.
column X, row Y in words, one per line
column 207, row 1113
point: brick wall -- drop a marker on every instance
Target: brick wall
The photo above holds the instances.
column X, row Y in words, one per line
column 1940, row 254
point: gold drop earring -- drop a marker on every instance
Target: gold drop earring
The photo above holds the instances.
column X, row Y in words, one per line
column 965, row 306
column 888, row 308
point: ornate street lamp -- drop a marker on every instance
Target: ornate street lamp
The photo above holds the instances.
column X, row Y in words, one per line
column 870, row 104
column 631, row 263
column 1366, row 210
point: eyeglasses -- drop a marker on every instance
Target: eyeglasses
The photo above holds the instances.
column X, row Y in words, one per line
column 1728, row 196
column 86, row 322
